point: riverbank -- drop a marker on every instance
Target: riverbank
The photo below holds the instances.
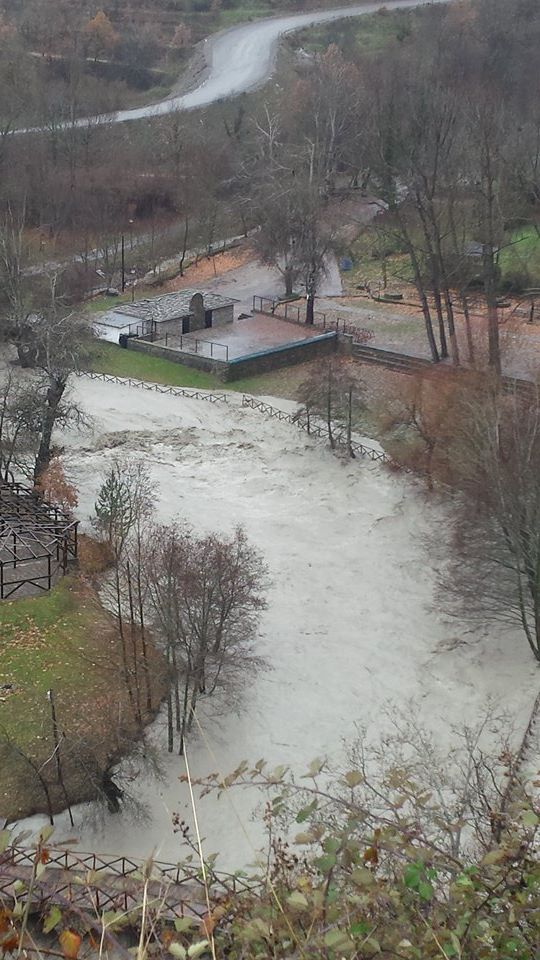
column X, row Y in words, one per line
column 344, row 651
column 66, row 642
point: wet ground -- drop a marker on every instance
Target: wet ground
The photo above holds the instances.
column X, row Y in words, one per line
column 250, row 278
column 242, row 337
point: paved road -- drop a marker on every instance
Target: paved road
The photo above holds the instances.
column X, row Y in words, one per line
column 240, row 59
column 256, row 279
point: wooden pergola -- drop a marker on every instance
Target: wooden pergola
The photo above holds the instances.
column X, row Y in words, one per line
column 37, row 541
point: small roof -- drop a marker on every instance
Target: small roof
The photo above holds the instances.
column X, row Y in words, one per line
column 112, row 319
column 167, row 307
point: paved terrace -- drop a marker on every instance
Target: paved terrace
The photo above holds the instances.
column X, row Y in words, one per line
column 242, row 337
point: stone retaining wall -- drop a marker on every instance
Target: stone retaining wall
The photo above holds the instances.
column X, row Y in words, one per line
column 207, row 364
column 255, row 363
column 286, row 356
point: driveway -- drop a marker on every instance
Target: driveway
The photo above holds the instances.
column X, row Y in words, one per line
column 255, row 279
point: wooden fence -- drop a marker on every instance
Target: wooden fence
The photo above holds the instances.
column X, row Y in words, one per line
column 319, row 431
column 158, row 387
column 90, row 883
column 406, row 363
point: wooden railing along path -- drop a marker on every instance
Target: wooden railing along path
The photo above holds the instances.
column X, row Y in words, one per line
column 405, row 363
column 91, row 883
column 315, row 429
column 157, row 387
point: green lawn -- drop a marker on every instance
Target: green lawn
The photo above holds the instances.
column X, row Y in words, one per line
column 39, row 644
column 47, row 642
column 65, row 641
column 521, row 257
column 109, row 358
column 367, row 34
column 100, row 304
column 248, row 11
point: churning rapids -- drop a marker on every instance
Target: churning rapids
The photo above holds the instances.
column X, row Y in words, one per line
column 350, row 624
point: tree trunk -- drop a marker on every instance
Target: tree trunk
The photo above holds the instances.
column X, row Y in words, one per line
column 449, row 307
column 144, row 646
column 288, row 277
column 310, row 307
column 54, row 396
column 490, row 290
column 134, row 652
column 178, row 716
column 419, row 287
column 440, row 318
column 349, row 425
column 435, row 278
column 170, row 719
column 125, row 664
column 184, row 246
column 184, row 718
column 468, row 329
column 329, row 409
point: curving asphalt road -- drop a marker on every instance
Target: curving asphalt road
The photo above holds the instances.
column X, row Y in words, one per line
column 240, row 59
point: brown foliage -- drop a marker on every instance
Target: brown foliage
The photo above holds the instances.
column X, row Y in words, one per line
column 54, row 487
column 424, row 419
column 95, row 556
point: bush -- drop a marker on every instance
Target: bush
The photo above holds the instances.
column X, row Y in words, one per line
column 515, row 281
column 95, row 556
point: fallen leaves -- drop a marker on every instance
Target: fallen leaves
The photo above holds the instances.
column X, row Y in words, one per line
column 70, row 943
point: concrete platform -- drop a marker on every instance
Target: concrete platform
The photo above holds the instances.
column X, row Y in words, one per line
column 242, row 337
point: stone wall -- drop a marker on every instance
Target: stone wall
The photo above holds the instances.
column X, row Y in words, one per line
column 179, row 356
column 285, row 356
column 248, row 366
column 223, row 315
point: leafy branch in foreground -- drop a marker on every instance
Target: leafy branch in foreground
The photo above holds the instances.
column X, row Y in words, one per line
column 402, row 852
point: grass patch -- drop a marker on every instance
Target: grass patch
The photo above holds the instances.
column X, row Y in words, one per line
column 65, row 641
column 279, row 383
column 366, row 253
column 521, row 258
column 365, row 35
column 100, row 304
column 242, row 14
column 108, row 358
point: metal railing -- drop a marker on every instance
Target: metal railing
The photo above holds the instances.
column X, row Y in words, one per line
column 290, row 311
column 186, row 340
column 86, row 882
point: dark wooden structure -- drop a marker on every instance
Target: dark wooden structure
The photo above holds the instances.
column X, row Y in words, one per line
column 37, row 541
column 88, row 883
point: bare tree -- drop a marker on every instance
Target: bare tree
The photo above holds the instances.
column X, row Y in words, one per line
column 205, row 596
column 62, row 343
column 419, row 423
column 494, row 572
column 124, row 507
column 17, row 434
column 334, row 393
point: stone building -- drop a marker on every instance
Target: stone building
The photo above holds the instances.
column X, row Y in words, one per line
column 183, row 311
